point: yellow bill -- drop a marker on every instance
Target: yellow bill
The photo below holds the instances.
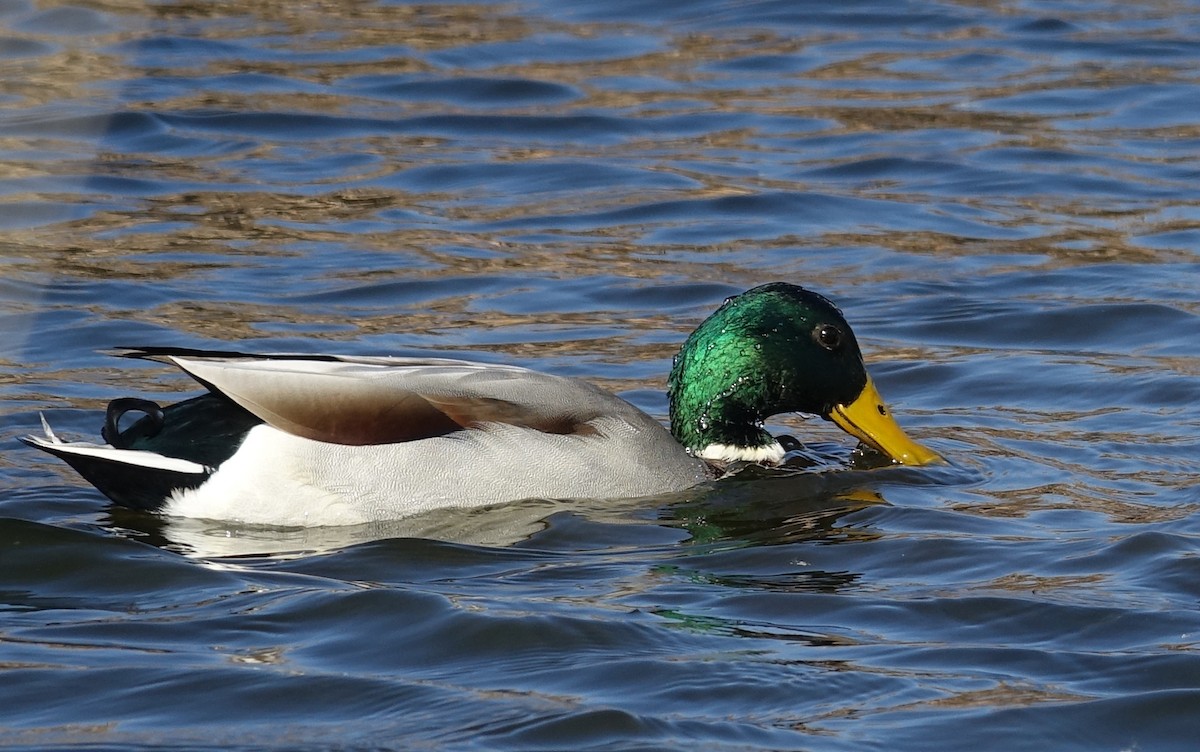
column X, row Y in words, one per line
column 868, row 420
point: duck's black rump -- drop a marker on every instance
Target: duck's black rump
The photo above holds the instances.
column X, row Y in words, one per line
column 204, row 430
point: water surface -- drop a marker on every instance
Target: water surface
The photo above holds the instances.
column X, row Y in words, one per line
column 1003, row 197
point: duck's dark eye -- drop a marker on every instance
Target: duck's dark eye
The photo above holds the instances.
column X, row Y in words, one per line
column 828, row 336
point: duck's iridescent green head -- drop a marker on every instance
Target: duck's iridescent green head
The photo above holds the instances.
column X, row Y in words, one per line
column 777, row 348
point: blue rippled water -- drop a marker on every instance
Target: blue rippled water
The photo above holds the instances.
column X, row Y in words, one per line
column 1003, row 197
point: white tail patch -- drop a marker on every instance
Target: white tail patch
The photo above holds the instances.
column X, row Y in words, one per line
column 50, row 435
column 134, row 457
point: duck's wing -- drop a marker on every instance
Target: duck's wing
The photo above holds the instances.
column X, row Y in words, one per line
column 365, row 400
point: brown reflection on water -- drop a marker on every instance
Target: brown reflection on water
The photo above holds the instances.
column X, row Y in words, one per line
column 211, row 222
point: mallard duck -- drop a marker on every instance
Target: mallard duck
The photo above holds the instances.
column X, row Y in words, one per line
column 328, row 439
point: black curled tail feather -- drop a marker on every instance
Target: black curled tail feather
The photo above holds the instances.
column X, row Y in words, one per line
column 148, row 426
